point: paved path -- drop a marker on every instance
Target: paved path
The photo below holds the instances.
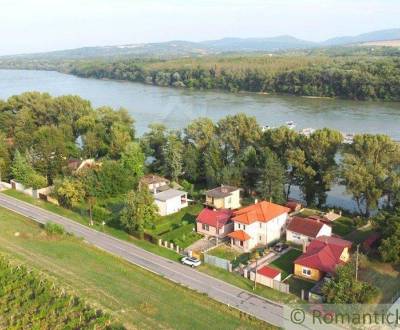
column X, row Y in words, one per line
column 214, row 288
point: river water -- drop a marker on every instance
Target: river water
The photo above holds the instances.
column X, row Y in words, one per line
column 177, row 107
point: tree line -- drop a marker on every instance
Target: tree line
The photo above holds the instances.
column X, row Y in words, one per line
column 350, row 77
column 39, row 134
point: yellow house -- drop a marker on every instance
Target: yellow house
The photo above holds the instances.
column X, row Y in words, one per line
column 322, row 256
column 223, row 197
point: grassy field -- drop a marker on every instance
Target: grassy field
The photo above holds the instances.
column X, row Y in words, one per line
column 132, row 295
column 221, row 274
column 285, row 262
column 118, row 233
column 384, row 276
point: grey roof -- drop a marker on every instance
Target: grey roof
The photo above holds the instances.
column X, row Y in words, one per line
column 168, row 194
column 221, row 191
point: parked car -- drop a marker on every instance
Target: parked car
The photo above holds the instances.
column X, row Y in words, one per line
column 279, row 247
column 190, row 261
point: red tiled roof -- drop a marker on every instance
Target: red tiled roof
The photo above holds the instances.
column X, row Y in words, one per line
column 240, row 235
column 214, row 218
column 268, row 272
column 323, row 253
column 293, row 205
column 371, row 240
column 263, row 212
column 304, row 226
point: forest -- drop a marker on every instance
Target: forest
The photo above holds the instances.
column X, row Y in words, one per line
column 41, row 134
column 27, row 301
column 350, row 77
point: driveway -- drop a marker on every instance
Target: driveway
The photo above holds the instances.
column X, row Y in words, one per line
column 201, row 245
column 223, row 292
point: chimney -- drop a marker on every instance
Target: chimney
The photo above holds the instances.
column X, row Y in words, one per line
column 305, row 245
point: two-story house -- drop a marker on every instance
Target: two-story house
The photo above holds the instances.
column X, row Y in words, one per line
column 223, row 197
column 258, row 224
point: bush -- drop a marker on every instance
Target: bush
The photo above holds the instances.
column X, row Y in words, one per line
column 101, row 214
column 54, row 229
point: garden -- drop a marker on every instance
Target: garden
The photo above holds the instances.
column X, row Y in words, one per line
column 177, row 228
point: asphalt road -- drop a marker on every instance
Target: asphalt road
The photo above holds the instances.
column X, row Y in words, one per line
column 221, row 291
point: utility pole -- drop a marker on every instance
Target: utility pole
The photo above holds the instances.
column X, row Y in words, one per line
column 217, row 230
column 358, row 248
column 255, row 276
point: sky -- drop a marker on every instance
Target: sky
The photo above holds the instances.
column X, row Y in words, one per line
column 28, row 26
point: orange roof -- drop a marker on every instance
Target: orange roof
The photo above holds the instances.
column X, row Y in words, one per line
column 263, row 212
column 240, row 235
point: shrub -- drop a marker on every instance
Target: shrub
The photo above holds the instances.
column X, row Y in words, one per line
column 54, row 229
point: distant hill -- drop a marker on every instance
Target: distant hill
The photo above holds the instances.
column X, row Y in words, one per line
column 180, row 48
column 258, row 44
column 382, row 35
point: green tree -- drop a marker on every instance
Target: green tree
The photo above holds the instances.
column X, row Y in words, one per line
column 69, row 192
column 173, row 157
column 345, row 289
column 367, row 165
column 388, row 224
column 213, row 164
column 272, row 178
column 4, row 158
column 133, row 159
column 138, row 211
column 49, row 151
column 24, row 173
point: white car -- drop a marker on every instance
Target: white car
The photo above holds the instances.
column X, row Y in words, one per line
column 190, row 261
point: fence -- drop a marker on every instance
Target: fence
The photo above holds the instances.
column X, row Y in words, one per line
column 274, row 284
column 217, row 262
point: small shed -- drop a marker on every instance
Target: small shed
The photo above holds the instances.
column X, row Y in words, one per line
column 267, row 275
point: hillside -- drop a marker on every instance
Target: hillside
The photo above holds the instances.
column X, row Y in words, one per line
column 179, row 48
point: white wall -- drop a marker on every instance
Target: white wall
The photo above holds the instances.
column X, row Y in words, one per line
column 170, row 206
column 276, row 227
column 301, row 239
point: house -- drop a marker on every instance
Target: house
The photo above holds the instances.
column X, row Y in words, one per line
column 154, row 182
column 223, row 197
column 170, row 201
column 332, row 216
column 294, row 206
column 322, row 256
column 304, row 230
column 266, row 276
column 258, row 224
column 77, row 165
column 214, row 222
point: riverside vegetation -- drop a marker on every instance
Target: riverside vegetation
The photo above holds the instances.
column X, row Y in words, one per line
column 39, row 133
column 358, row 73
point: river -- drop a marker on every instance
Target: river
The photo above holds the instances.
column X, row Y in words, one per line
column 177, row 107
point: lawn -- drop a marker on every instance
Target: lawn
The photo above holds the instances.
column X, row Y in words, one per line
column 359, row 235
column 134, row 296
column 225, row 252
column 247, row 285
column 343, row 226
column 285, row 262
column 178, row 227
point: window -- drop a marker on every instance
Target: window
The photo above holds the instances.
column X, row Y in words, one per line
column 241, row 243
column 205, row 227
column 229, row 201
column 260, row 238
column 306, row 272
column 260, row 225
column 244, row 227
column 239, row 225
